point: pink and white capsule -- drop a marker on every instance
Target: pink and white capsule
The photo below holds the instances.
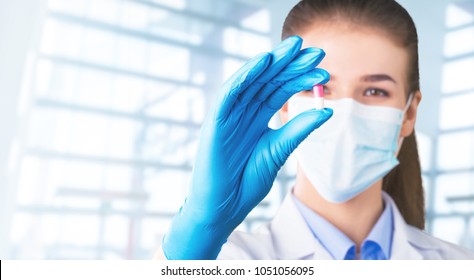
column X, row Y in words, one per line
column 318, row 92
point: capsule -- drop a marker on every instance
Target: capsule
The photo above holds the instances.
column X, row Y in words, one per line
column 318, row 92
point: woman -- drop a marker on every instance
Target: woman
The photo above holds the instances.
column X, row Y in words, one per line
column 337, row 208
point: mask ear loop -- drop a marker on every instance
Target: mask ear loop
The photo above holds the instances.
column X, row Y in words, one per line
column 410, row 99
column 400, row 142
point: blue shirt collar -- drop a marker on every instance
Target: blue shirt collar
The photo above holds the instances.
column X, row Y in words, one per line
column 382, row 231
column 337, row 243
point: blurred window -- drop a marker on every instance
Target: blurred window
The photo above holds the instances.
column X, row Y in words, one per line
column 118, row 91
column 453, row 206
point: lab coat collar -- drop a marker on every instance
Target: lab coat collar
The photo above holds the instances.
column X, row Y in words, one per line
column 402, row 246
column 294, row 241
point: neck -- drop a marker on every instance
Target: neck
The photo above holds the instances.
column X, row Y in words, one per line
column 355, row 217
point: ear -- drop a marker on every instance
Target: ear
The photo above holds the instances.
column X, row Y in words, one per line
column 408, row 124
column 283, row 113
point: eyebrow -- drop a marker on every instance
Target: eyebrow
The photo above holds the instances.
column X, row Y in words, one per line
column 378, row 78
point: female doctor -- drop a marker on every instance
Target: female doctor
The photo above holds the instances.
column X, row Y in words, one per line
column 358, row 192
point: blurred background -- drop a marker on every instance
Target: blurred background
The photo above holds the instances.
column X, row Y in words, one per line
column 101, row 103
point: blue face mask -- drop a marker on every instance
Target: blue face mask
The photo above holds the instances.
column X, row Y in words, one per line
column 352, row 150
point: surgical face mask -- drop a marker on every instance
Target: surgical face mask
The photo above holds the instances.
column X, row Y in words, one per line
column 352, row 150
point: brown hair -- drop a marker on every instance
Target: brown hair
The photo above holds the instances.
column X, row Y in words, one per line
column 403, row 183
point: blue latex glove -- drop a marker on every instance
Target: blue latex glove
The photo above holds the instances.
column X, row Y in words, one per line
column 239, row 155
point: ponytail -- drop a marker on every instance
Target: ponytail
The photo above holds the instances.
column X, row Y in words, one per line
column 404, row 184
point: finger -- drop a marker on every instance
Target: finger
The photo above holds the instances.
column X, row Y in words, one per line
column 306, row 61
column 298, row 84
column 287, row 138
column 239, row 82
column 281, row 56
column 287, row 90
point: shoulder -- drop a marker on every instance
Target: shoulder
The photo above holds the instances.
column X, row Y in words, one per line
column 413, row 243
column 248, row 246
column 434, row 248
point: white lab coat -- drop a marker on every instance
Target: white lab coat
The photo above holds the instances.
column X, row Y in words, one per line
column 287, row 237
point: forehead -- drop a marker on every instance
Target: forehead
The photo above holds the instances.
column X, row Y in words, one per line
column 354, row 51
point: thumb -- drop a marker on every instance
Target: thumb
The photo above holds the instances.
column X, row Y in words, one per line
column 287, row 138
column 274, row 149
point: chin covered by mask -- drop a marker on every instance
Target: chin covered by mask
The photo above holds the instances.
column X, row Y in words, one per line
column 352, row 150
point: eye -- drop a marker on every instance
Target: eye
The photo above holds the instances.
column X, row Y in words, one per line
column 307, row 93
column 376, row 92
column 326, row 90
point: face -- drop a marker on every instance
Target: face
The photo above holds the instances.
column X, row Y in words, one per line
column 364, row 64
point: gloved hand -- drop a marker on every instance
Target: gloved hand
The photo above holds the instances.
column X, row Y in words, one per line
column 239, row 155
